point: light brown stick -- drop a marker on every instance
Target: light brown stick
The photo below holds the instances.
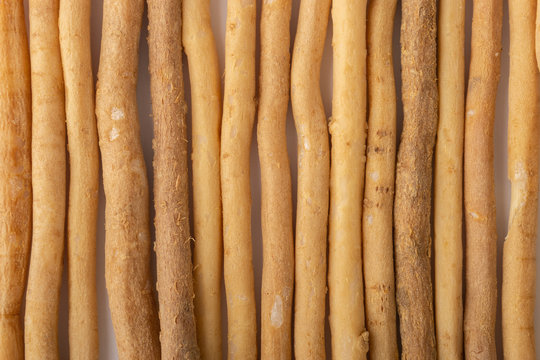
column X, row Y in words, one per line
column 378, row 244
column 519, row 260
column 348, row 131
column 74, row 25
column 238, row 118
column 48, row 183
column 413, row 179
column 171, row 201
column 128, row 242
column 204, row 76
column 313, row 180
column 448, row 181
column 15, row 179
column 479, row 182
column 276, row 197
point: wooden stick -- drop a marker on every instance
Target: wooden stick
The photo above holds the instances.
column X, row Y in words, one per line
column 128, row 243
column 15, row 182
column 206, row 104
column 48, row 183
column 238, row 118
column 348, row 131
column 276, row 196
column 74, row 26
column 313, row 180
column 413, row 179
column 448, row 181
column 479, row 184
column 171, row 199
column 519, row 260
column 377, row 217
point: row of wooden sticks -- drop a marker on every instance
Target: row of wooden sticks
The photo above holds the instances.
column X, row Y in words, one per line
column 378, row 239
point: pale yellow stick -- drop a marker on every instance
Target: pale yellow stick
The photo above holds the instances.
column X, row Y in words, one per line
column 276, row 197
column 238, row 118
column 15, row 179
column 74, row 25
column 348, row 131
column 378, row 248
column 448, row 181
column 48, row 183
column 128, row 244
column 313, row 180
column 519, row 260
column 204, row 76
column 479, row 182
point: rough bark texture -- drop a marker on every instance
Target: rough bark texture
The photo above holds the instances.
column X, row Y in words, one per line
column 15, row 179
column 238, row 118
column 348, row 133
column 519, row 259
column 413, row 179
column 378, row 244
column 479, row 182
column 276, row 197
column 128, row 243
column 48, row 183
column 74, row 25
column 448, row 181
column 171, row 199
column 205, row 81
column 313, row 180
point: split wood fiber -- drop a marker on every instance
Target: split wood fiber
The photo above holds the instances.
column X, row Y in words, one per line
column 276, row 196
column 377, row 216
column 448, row 181
column 238, row 118
column 519, row 260
column 205, row 80
column 348, row 134
column 48, row 183
column 413, row 179
column 313, row 180
column 15, row 179
column 127, row 229
column 74, row 25
column 171, row 199
column 479, row 182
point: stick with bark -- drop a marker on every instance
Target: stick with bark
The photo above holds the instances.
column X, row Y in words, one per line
column 15, row 182
column 205, row 80
column 48, row 183
column 519, row 260
column 127, row 243
column 413, row 179
column 479, row 182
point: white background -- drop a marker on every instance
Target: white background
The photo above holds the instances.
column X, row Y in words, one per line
column 106, row 334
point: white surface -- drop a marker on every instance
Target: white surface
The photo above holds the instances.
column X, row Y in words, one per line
column 106, row 334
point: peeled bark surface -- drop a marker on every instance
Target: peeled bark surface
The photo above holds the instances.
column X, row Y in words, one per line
column 413, row 179
column 15, row 179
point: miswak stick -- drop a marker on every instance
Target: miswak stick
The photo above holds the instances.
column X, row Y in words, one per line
column 348, row 133
column 127, row 242
column 448, row 181
column 519, row 260
column 201, row 52
column 313, row 180
column 48, row 183
column 238, row 118
column 377, row 216
column 276, row 197
column 15, row 182
column 479, row 182
column 413, row 179
column 173, row 246
column 74, row 26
